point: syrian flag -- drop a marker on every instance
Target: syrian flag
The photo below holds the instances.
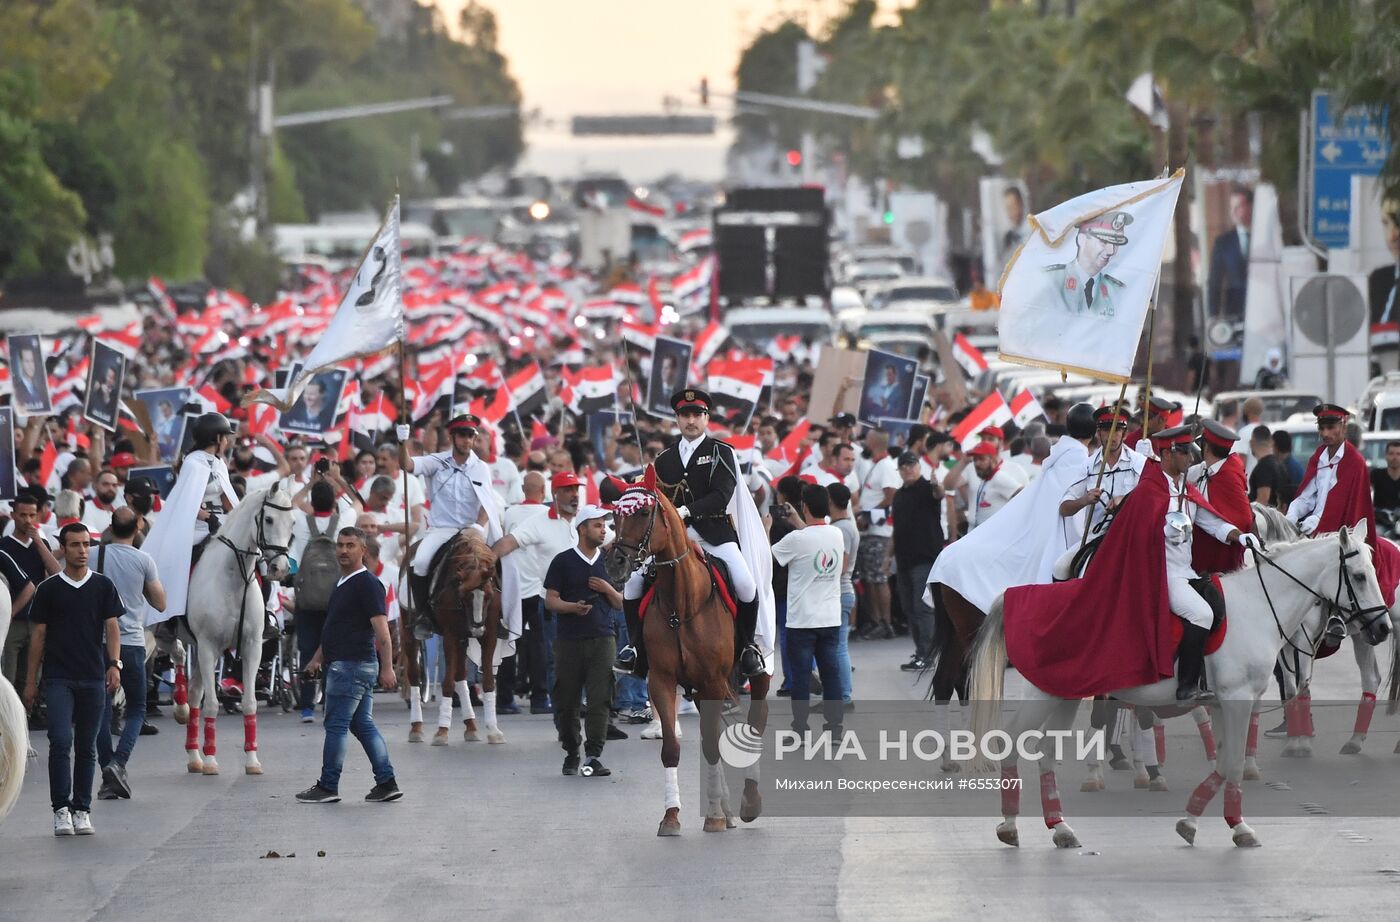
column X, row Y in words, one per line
column 376, row 418
column 482, row 376
column 642, row 210
column 262, row 419
column 527, row 390
column 708, row 343
column 641, row 335
column 992, row 411
column 735, row 387
column 694, row 240
column 791, row 446
column 691, row 289
column 368, row 320
column 1025, row 408
column 968, row 356
column 589, row 390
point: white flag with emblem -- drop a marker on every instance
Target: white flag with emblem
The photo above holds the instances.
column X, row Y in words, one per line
column 1075, row 295
column 368, row 321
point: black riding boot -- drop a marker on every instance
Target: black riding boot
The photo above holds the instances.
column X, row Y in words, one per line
column 632, row 658
column 420, row 588
column 1191, row 664
column 750, row 660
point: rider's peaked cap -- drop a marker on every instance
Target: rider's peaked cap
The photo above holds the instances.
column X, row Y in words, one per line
column 691, row 398
column 1177, row 435
column 1219, row 434
column 1330, row 413
column 464, row 421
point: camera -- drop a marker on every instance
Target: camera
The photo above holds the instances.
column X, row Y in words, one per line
column 778, row 510
column 323, row 465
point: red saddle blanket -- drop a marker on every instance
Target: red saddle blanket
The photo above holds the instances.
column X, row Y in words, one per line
column 719, row 576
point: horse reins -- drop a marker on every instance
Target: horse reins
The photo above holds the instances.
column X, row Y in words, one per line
column 259, row 550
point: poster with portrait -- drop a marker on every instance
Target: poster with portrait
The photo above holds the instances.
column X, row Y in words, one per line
column 1076, row 295
column 670, row 371
column 898, row 430
column 29, row 381
column 162, row 475
column 104, row 386
column 916, row 405
column 314, row 411
column 163, row 406
column 7, row 453
column 888, row 386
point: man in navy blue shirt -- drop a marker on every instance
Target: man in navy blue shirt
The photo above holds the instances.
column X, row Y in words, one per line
column 578, row 591
column 356, row 650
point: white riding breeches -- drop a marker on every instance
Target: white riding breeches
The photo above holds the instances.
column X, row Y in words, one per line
column 428, row 545
column 1187, row 603
column 745, row 589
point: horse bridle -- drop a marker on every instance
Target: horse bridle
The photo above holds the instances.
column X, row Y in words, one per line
column 1353, row 612
column 267, row 553
column 633, row 554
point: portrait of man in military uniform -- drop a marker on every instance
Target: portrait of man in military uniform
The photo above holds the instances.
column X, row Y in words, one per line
column 1082, row 286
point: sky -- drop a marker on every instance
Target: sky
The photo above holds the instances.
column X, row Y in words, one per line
column 599, row 57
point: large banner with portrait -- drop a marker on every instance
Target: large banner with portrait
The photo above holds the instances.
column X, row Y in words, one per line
column 1074, row 297
column 29, row 381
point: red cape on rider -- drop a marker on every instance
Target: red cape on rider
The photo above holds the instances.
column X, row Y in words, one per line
column 1229, row 497
column 1112, row 628
column 1348, row 502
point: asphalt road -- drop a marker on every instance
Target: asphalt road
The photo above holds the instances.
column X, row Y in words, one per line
column 496, row 831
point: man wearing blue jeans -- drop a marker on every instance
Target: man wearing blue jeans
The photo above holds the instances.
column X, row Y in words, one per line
column 78, row 644
column 814, row 554
column 133, row 572
column 356, row 649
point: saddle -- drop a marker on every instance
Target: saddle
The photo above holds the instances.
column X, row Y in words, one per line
column 1209, row 589
column 720, row 584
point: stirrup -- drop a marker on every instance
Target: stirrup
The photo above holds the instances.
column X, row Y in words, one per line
column 747, row 657
column 1336, row 629
column 626, row 660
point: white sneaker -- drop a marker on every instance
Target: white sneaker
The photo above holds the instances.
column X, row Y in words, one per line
column 82, row 823
column 62, row 822
column 653, row 730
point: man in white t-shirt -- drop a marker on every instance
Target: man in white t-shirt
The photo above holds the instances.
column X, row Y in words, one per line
column 387, row 461
column 991, row 485
column 532, row 488
column 535, row 542
column 814, row 554
column 877, row 490
column 840, row 468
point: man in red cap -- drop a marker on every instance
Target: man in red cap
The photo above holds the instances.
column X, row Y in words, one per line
column 533, row 544
column 992, row 486
column 1336, row 493
column 1111, row 629
column 1220, row 478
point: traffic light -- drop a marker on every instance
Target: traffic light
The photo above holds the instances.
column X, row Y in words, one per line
column 704, row 91
column 888, row 216
column 794, row 158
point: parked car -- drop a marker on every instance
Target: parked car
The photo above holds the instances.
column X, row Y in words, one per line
column 759, row 325
column 903, row 332
column 1278, row 405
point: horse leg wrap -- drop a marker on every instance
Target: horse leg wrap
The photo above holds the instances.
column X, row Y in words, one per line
column 673, row 788
column 1159, row 740
column 444, row 712
column 488, row 709
column 1010, row 792
column 192, row 731
column 208, row 736
column 1364, row 710
column 1145, row 746
column 1234, row 804
column 1305, row 703
column 1251, row 743
column 1207, row 732
column 1204, row 793
column 181, row 695
column 250, row 732
column 415, row 707
column 1293, row 717
column 1050, row 800
column 464, row 697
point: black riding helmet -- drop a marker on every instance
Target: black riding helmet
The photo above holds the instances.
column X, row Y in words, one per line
column 1079, row 421
column 208, row 428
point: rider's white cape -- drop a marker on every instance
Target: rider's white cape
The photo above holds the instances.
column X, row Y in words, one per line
column 170, row 536
column 479, row 475
column 1020, row 544
column 757, row 553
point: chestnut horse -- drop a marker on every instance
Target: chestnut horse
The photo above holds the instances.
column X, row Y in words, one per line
column 466, row 593
column 689, row 636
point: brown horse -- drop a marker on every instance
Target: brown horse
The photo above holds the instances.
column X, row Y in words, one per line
column 689, row 637
column 468, row 586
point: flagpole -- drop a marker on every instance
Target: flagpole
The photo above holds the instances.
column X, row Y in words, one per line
column 1103, row 460
column 403, row 415
column 627, row 382
column 1151, row 331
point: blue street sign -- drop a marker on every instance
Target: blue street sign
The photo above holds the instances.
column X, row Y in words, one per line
column 1355, row 144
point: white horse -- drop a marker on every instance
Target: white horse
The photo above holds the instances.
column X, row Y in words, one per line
column 14, row 725
column 1296, row 663
column 1266, row 605
column 225, row 611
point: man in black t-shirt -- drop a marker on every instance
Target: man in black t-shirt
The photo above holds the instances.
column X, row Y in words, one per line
column 1385, row 481
column 577, row 589
column 1268, row 482
column 356, row 650
column 28, row 550
column 918, row 537
column 78, row 643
